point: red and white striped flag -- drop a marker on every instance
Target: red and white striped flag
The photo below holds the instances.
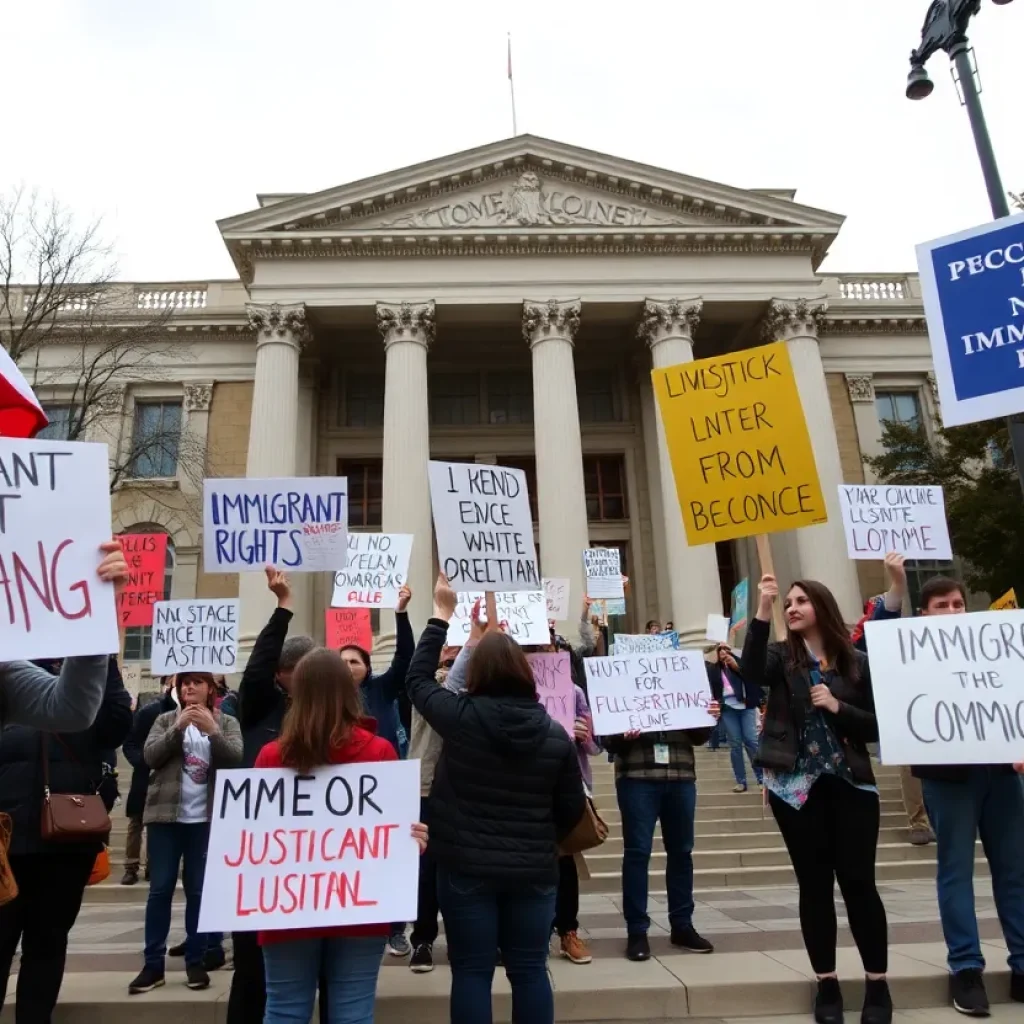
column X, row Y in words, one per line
column 21, row 415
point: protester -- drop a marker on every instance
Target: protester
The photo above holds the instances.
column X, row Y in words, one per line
column 184, row 749
column 508, row 787
column 739, row 703
column 818, row 721
column 51, row 877
column 653, row 627
column 965, row 801
column 325, row 724
column 69, row 702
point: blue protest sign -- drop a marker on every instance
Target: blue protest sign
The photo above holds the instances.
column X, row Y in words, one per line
column 972, row 284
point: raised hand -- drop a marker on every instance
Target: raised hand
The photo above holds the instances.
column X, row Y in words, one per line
column 445, row 599
column 404, row 597
column 768, row 589
column 897, row 571
column 113, row 568
column 277, row 584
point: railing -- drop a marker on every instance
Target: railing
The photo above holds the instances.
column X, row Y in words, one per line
column 188, row 297
column 880, row 289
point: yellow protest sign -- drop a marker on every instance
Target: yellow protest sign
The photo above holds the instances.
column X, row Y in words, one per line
column 741, row 454
column 1008, row 600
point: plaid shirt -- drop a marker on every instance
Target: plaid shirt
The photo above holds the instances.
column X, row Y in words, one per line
column 634, row 759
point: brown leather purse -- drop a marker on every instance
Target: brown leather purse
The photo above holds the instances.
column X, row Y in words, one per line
column 590, row 831
column 70, row 817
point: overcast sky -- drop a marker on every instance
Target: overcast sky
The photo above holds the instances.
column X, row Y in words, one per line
column 162, row 116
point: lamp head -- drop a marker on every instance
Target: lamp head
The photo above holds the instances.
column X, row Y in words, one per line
column 919, row 85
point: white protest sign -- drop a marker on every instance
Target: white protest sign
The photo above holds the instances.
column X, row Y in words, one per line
column 949, row 689
column 131, row 677
column 556, row 591
column 879, row 518
column 523, row 615
column 298, row 524
column 378, row 567
column 604, row 572
column 641, row 643
column 54, row 515
column 330, row 848
column 484, row 527
column 196, row 634
column 650, row 692
column 718, row 629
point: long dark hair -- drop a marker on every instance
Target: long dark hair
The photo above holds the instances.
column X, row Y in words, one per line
column 499, row 668
column 835, row 639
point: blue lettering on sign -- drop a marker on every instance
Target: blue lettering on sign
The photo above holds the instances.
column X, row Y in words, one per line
column 980, row 284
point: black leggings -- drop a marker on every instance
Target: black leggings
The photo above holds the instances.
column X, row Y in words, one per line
column 567, row 902
column 832, row 838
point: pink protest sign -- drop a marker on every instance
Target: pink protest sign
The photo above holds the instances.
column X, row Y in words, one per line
column 555, row 691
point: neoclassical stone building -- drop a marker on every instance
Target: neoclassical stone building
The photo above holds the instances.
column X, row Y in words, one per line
column 506, row 304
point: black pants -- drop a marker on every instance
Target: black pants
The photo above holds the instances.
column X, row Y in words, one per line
column 247, row 1000
column 833, row 838
column 50, row 888
column 567, row 901
column 427, row 909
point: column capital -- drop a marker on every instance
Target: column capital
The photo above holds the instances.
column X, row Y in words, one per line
column 861, row 388
column 553, row 318
column 674, row 318
column 787, row 319
column 274, row 322
column 406, row 321
column 198, row 397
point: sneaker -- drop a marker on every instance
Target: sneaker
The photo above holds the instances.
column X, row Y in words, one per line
column 877, row 1002
column 740, row 787
column 196, row 977
column 148, row 979
column 921, row 836
column 1017, row 987
column 398, row 944
column 967, row 993
column 178, row 950
column 422, row 961
column 828, row 1002
column 638, row 948
column 575, row 949
column 130, row 877
column 688, row 939
column 214, row 959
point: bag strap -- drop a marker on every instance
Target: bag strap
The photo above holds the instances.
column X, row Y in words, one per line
column 44, row 749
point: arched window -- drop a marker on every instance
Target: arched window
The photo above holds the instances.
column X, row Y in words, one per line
column 138, row 640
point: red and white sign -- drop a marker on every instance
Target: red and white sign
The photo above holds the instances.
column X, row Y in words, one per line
column 348, row 627
column 377, row 569
column 146, row 555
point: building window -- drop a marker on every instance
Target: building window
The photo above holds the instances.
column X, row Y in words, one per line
column 138, row 640
column 59, row 427
column 595, row 393
column 455, row 399
column 899, row 407
column 919, row 572
column 155, row 439
column 528, row 465
column 364, row 400
column 604, row 478
column 509, row 398
column 365, row 492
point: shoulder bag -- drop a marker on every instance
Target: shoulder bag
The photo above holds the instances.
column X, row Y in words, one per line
column 70, row 817
column 590, row 831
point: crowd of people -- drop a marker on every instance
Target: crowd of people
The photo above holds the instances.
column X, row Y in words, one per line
column 505, row 792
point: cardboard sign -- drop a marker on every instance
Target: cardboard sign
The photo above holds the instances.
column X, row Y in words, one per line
column 718, row 629
column 298, row 524
column 604, row 573
column 555, row 688
column 740, row 451
column 523, row 615
column 349, row 627
column 196, row 634
column 54, row 515
column 146, row 555
column 655, row 692
column 377, row 569
column 879, row 518
column 330, row 848
column 484, row 526
column 740, row 604
column 556, row 592
column 1006, row 602
column 642, row 643
column 131, row 676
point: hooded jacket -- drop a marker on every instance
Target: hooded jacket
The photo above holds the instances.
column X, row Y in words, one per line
column 507, row 785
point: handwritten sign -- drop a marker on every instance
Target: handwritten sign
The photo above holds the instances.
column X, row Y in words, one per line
column 1006, row 602
column 741, row 454
column 484, row 526
column 642, row 643
column 556, row 592
column 131, row 676
column 879, row 518
column 196, row 634
column 555, row 689
column 330, row 848
column 54, row 515
column 651, row 692
column 523, row 615
column 604, row 573
column 296, row 523
column 348, row 627
column 377, row 569
column 718, row 629
column 739, row 605
column 146, row 555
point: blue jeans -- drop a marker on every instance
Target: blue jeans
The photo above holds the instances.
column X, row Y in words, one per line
column 642, row 802
column 741, row 728
column 991, row 803
column 350, row 967
column 482, row 915
column 169, row 845
column 717, row 737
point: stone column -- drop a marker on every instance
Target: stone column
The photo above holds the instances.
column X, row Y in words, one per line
column 280, row 334
column 821, row 549
column 861, row 389
column 549, row 328
column 408, row 330
column 692, row 572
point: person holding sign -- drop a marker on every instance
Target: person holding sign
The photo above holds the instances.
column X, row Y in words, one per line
column 818, row 721
column 739, row 704
column 508, row 790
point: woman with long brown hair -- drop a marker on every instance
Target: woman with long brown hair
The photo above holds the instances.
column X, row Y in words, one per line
column 325, row 724
column 819, row 719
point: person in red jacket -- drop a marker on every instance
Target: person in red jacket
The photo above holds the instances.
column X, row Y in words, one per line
column 325, row 725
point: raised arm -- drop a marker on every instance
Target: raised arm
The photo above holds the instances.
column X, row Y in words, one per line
column 257, row 693
column 392, row 682
column 760, row 665
column 588, row 636
column 68, row 702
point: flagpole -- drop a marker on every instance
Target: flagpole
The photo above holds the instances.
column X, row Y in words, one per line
column 512, row 87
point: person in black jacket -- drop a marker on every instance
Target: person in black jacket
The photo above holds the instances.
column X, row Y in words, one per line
column 739, row 702
column 506, row 789
column 51, row 877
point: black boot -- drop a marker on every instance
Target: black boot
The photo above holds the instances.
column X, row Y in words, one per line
column 877, row 1002
column 828, row 1003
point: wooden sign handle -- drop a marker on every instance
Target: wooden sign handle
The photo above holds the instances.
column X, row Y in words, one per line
column 764, row 556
